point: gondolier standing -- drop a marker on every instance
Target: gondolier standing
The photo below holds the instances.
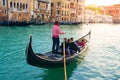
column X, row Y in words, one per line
column 56, row 31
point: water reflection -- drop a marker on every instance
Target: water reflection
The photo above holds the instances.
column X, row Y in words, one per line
column 58, row 73
column 102, row 61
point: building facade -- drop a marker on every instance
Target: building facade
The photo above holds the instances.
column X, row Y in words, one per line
column 41, row 10
column 92, row 16
column 60, row 10
column 114, row 11
column 89, row 16
column 3, row 10
column 81, row 10
column 19, row 10
column 67, row 10
column 15, row 10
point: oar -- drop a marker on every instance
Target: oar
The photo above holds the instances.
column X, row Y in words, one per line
column 65, row 74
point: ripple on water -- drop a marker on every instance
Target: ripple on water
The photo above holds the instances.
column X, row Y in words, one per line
column 101, row 62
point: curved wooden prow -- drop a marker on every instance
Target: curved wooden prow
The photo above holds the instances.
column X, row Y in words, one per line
column 30, row 39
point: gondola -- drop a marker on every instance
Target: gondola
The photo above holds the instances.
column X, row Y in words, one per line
column 50, row 60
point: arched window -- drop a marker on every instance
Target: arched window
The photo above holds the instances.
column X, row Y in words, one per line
column 23, row 6
column 38, row 5
column 17, row 5
column 20, row 6
column 14, row 5
column 10, row 4
column 26, row 6
column 4, row 2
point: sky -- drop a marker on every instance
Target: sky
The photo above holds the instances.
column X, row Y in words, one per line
column 102, row 2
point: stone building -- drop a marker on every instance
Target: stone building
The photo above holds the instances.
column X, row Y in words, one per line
column 3, row 10
column 15, row 10
column 41, row 10
column 60, row 10
column 114, row 11
column 67, row 10
column 19, row 10
column 81, row 10
column 89, row 16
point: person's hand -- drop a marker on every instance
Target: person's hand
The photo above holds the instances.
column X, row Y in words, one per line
column 62, row 33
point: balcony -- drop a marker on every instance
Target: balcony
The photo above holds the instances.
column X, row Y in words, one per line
column 57, row 15
column 72, row 11
column 58, row 7
column 36, row 10
column 46, row 1
column 44, row 9
column 12, row 9
column 72, row 7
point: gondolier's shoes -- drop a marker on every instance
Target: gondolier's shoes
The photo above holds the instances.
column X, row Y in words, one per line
column 53, row 52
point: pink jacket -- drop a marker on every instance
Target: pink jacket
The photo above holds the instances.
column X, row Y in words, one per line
column 56, row 31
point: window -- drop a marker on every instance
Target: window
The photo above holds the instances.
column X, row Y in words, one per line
column 5, row 11
column 58, row 12
column 26, row 6
column 62, row 13
column 47, row 6
column 58, row 4
column 52, row 4
column 62, row 19
column 38, row 5
column 19, row 14
column 51, row 11
column 17, row 5
column 10, row 4
column 14, row 5
column 23, row 6
column 68, row 5
column 4, row 2
column 20, row 6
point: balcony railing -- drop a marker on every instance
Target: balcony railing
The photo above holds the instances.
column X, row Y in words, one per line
column 57, row 14
column 26, row 10
column 58, row 7
column 36, row 10
column 47, row 1
column 72, row 11
column 12, row 9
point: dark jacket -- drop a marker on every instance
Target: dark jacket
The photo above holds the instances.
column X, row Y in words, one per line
column 66, row 45
column 73, row 46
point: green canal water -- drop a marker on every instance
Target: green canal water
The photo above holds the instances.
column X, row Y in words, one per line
column 101, row 60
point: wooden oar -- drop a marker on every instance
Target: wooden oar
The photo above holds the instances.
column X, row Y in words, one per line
column 65, row 74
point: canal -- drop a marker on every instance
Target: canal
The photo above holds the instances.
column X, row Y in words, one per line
column 100, row 62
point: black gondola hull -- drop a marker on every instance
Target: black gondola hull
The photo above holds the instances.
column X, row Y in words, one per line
column 34, row 60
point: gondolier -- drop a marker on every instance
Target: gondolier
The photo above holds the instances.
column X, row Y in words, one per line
column 56, row 31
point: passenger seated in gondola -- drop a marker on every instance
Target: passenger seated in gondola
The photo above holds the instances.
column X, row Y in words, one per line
column 73, row 47
column 67, row 51
column 82, row 43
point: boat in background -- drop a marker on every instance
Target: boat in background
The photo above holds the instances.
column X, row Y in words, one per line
column 15, row 23
column 70, row 23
